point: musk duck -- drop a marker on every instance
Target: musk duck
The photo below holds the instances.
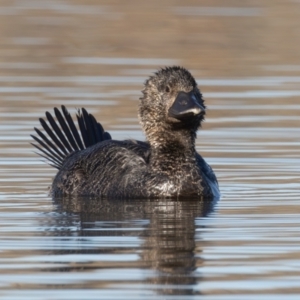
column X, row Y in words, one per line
column 166, row 165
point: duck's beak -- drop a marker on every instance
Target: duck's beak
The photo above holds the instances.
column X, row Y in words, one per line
column 186, row 105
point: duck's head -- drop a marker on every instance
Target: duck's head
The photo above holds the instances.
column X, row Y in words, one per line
column 171, row 102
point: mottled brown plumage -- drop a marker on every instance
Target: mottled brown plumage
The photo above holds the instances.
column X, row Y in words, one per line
column 165, row 166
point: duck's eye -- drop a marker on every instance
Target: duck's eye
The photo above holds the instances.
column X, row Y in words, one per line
column 167, row 89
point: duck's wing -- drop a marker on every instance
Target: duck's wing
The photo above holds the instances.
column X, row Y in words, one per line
column 63, row 138
column 206, row 169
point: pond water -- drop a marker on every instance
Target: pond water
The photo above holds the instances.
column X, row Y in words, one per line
column 97, row 54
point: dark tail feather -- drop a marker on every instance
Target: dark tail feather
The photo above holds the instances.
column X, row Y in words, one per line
column 53, row 162
column 52, row 135
column 83, row 129
column 65, row 139
column 65, row 129
column 89, row 128
column 59, row 133
column 91, row 131
column 72, row 127
column 49, row 151
column 50, row 144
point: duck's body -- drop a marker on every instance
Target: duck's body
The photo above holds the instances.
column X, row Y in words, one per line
column 123, row 169
column 166, row 166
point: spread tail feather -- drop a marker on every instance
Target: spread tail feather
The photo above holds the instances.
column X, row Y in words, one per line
column 63, row 137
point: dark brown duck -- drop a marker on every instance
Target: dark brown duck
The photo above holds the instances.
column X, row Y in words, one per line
column 165, row 166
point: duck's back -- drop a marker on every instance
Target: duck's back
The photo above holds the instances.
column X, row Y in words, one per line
column 109, row 168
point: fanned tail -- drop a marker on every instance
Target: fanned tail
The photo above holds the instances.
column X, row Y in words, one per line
column 63, row 137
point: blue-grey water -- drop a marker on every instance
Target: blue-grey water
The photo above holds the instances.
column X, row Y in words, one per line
column 97, row 54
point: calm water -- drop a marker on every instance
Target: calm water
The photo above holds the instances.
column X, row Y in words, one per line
column 97, row 54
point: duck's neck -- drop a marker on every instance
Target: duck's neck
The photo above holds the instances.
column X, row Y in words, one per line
column 170, row 150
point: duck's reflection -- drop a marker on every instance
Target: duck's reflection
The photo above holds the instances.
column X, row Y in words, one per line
column 168, row 234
